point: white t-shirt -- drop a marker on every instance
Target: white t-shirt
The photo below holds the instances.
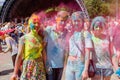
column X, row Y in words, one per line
column 101, row 47
column 13, row 45
column 76, row 44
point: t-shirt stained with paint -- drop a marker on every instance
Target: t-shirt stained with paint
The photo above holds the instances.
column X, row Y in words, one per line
column 55, row 47
column 102, row 52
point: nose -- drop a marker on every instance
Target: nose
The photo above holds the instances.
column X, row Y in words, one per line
column 36, row 24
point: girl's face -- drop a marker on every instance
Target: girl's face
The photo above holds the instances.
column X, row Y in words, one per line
column 36, row 24
column 77, row 24
column 98, row 31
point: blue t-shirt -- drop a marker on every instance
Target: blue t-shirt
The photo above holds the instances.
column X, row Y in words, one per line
column 55, row 49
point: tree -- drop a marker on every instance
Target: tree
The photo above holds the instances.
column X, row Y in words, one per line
column 104, row 9
column 0, row 8
column 97, row 8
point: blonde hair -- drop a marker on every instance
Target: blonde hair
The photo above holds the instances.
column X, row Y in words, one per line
column 33, row 16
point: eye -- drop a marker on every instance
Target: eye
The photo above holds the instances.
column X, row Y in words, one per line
column 97, row 28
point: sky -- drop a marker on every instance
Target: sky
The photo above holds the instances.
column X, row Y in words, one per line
column 1, row 2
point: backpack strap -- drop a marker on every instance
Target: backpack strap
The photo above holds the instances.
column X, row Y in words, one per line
column 83, row 42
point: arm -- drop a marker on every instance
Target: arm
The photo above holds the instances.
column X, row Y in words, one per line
column 113, row 56
column 87, row 58
column 115, row 62
column 44, row 53
column 88, row 48
column 66, row 56
column 19, row 58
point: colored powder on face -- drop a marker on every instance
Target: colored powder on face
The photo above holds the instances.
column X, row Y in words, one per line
column 32, row 26
column 95, row 39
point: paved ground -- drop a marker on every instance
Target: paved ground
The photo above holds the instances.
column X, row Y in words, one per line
column 6, row 67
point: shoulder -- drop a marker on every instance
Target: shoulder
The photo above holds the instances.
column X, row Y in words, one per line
column 48, row 28
column 22, row 39
column 86, row 34
column 7, row 38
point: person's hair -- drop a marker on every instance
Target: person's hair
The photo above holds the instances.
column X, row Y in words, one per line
column 63, row 14
column 32, row 18
column 98, row 21
column 77, row 16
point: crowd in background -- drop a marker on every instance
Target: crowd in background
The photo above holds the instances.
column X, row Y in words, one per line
column 59, row 47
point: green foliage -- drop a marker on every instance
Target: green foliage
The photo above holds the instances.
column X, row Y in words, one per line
column 97, row 8
column 104, row 9
column 109, row 1
column 0, row 8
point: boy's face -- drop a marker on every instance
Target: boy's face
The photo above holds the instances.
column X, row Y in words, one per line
column 60, row 19
column 61, row 16
column 77, row 25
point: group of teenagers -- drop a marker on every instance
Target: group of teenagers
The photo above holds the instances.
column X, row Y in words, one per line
column 62, row 51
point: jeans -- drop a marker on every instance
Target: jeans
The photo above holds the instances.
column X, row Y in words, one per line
column 74, row 70
column 56, row 74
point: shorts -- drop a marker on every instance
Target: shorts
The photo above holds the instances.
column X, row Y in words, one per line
column 114, row 77
column 104, row 72
column 74, row 70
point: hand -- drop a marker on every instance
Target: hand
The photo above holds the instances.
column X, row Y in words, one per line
column 48, row 68
column 13, row 77
column 84, row 75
